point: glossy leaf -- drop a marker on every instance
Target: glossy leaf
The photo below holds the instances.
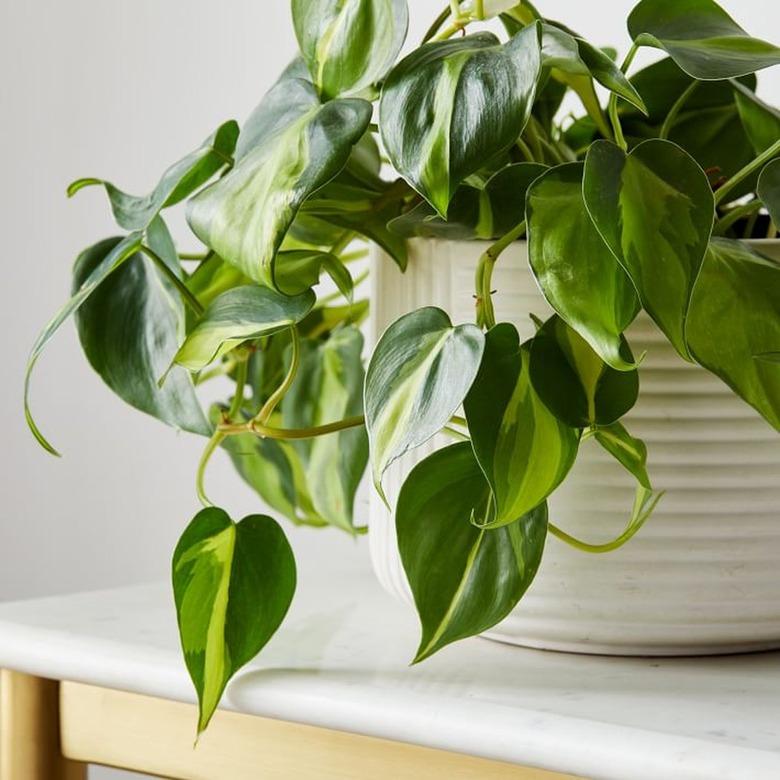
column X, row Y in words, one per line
column 113, row 253
column 349, row 45
column 735, row 319
column 291, row 146
column 487, row 212
column 524, row 451
column 464, row 579
column 574, row 382
column 233, row 584
column 654, row 208
column 700, row 37
column 576, row 270
column 418, row 376
column 130, row 327
column 761, row 121
column 441, row 119
column 239, row 315
column 769, row 189
column 136, row 212
column 327, row 388
column 629, row 451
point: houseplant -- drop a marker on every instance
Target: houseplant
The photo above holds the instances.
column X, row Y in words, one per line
column 471, row 125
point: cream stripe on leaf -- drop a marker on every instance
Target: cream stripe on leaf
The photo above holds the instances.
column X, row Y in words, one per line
column 523, row 449
column 232, row 584
column 464, row 579
column 290, row 147
column 576, row 270
column 441, row 119
column 419, row 374
column 349, row 45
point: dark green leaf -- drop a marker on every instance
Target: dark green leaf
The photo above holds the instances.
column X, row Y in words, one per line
column 233, row 584
column 761, row 121
column 464, row 579
column 769, row 189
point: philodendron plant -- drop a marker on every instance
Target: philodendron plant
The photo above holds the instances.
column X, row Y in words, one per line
column 633, row 192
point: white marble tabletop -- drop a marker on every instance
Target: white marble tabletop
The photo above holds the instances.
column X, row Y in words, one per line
column 341, row 661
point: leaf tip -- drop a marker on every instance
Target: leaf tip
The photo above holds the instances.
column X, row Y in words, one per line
column 79, row 184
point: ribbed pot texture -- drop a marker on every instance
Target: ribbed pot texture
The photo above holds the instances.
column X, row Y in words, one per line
column 703, row 575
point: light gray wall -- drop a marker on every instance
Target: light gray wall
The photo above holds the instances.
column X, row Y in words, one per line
column 120, row 89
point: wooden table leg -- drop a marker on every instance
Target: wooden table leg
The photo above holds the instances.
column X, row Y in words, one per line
column 30, row 730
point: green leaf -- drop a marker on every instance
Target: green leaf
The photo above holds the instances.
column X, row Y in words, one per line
column 627, row 450
column 464, row 579
column 291, row 146
column 524, row 451
column 136, row 212
column 655, row 209
column 441, row 119
column 299, row 269
column 114, row 254
column 761, row 121
column 418, row 376
column 735, row 319
column 239, row 315
column 574, row 382
column 349, row 44
column 487, row 212
column 233, row 584
column 576, row 270
column 329, row 387
column 130, row 327
column 700, row 37
column 769, row 189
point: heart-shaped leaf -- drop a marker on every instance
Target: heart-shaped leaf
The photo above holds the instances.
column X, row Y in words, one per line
column 464, row 579
column 768, row 189
column 131, row 326
column 239, row 315
column 441, row 119
column 524, row 451
column 574, row 382
column 329, row 387
column 576, row 270
column 700, row 37
column 417, row 379
column 114, row 253
column 489, row 212
column 349, row 44
column 654, row 208
column 291, row 146
column 136, row 212
column 232, row 583
column 735, row 320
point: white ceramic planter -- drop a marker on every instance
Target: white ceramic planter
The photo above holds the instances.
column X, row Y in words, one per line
column 703, row 576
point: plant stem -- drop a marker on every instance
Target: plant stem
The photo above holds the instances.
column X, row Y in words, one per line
column 671, row 117
column 436, row 25
column 743, row 173
column 231, row 429
column 342, row 242
column 262, row 417
column 612, row 106
column 732, row 215
column 169, row 274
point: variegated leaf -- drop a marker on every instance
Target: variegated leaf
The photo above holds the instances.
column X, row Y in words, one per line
column 291, row 146
column 524, row 451
column 464, row 578
column 417, row 379
column 349, row 45
column 441, row 119
column 629, row 451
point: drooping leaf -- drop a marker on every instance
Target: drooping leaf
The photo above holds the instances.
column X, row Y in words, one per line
column 700, row 37
column 769, row 189
column 576, row 270
column 131, row 326
column 291, row 146
column 418, row 376
column 655, row 209
column 232, row 583
column 136, row 212
column 349, row 44
column 441, row 119
column 629, row 451
column 114, row 253
column 474, row 212
column 574, row 382
column 329, row 387
column 299, row 269
column 239, row 315
column 761, row 121
column 735, row 319
column 524, row 451
column 464, row 579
